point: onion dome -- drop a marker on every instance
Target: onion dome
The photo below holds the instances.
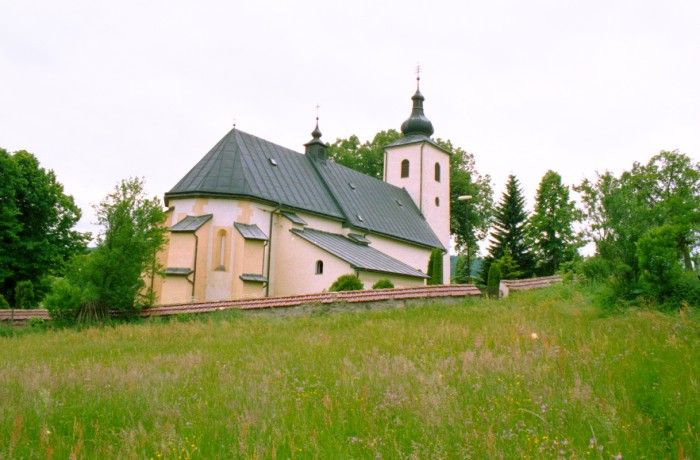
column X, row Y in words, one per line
column 417, row 123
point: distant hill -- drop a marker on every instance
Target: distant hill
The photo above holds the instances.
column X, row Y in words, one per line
column 475, row 268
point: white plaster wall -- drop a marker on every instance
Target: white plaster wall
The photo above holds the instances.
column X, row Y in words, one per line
column 414, row 256
column 423, row 188
column 294, row 265
column 392, row 169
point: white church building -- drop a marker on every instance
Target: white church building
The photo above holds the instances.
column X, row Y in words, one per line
column 254, row 219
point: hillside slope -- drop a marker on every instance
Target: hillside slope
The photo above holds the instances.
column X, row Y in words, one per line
column 541, row 374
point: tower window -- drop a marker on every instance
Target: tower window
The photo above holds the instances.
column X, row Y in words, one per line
column 319, row 267
column 437, row 201
column 404, row 168
column 437, row 172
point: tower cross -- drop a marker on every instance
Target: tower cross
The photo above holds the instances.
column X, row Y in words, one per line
column 317, row 107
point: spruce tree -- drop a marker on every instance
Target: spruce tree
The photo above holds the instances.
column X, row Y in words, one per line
column 552, row 236
column 509, row 230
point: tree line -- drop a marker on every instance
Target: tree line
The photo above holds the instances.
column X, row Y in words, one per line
column 644, row 224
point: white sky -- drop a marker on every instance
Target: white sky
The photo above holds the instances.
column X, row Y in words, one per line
column 100, row 91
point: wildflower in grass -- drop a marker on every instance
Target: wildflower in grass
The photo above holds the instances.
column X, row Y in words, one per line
column 534, row 336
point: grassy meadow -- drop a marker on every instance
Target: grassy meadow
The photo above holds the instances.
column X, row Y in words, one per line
column 542, row 374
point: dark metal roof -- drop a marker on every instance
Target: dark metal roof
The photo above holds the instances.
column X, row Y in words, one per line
column 357, row 238
column 294, row 218
column 359, row 256
column 177, row 271
column 416, row 139
column 190, row 223
column 372, row 205
column 250, row 232
column 253, row 277
column 239, row 166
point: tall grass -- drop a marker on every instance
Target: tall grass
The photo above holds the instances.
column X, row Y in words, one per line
column 539, row 375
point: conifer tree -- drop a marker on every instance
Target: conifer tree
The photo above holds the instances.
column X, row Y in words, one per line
column 509, row 230
column 552, row 237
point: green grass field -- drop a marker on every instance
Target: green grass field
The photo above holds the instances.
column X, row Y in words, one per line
column 542, row 374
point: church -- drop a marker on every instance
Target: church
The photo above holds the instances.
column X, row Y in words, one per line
column 255, row 219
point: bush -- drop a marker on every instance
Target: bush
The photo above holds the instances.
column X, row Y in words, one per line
column 596, row 268
column 65, row 301
column 24, row 294
column 347, row 282
column 3, row 302
column 435, row 267
column 494, row 281
column 383, row 284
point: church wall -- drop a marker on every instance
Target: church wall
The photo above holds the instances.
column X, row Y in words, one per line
column 437, row 216
column 392, row 169
column 369, row 278
column 424, row 189
column 176, row 289
column 294, row 265
column 415, row 256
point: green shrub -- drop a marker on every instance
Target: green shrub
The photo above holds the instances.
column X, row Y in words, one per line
column 3, row 302
column 24, row 295
column 65, row 301
column 435, row 267
column 37, row 323
column 383, row 284
column 596, row 268
column 494, row 280
column 508, row 267
column 349, row 282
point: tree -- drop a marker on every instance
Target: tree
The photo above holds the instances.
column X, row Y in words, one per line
column 112, row 276
column 509, row 230
column 36, row 224
column 469, row 221
column 633, row 217
column 552, row 237
column 367, row 157
column 435, row 267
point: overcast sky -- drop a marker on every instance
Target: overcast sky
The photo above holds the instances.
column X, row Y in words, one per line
column 100, row 91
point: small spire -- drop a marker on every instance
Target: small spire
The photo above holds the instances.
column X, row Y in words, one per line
column 316, row 133
column 315, row 149
column 417, row 123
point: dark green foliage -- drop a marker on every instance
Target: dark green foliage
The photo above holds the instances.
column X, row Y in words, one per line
column 435, row 267
column 462, row 273
column 645, row 224
column 112, row 276
column 24, row 295
column 508, row 269
column 367, row 157
column 349, row 282
column 383, row 284
column 596, row 268
column 3, row 302
column 36, row 221
column 469, row 219
column 494, row 281
column 551, row 235
column 509, row 231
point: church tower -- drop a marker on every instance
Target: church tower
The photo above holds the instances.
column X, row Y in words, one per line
column 418, row 164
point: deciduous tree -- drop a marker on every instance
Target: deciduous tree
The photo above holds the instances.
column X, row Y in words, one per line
column 551, row 234
column 36, row 224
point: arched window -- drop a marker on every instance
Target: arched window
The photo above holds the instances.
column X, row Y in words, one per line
column 221, row 246
column 437, row 172
column 319, row 267
column 404, row 168
column 437, row 201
